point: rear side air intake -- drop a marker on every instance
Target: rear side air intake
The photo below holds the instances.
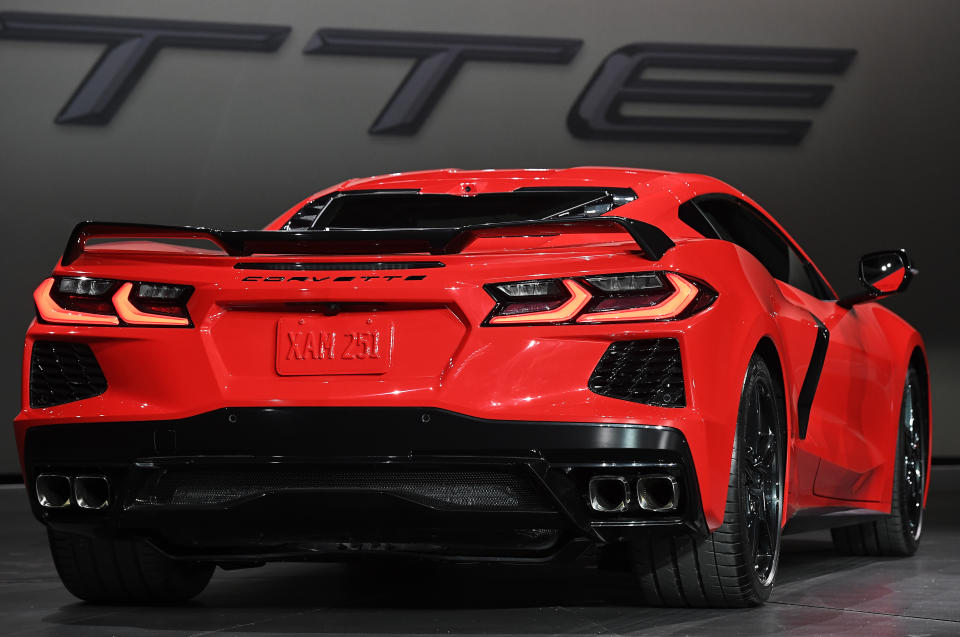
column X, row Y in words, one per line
column 63, row 373
column 645, row 371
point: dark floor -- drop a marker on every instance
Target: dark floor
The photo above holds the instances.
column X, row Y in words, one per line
column 817, row 593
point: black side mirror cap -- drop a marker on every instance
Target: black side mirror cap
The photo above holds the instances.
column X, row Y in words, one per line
column 882, row 273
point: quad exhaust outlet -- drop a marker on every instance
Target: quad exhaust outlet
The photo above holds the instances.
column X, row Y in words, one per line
column 614, row 494
column 58, row 491
column 53, row 490
column 658, row 494
column 609, row 494
column 91, row 492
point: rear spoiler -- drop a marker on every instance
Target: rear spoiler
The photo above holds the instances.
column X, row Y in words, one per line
column 240, row 243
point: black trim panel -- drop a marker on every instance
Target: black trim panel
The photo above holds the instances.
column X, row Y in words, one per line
column 559, row 457
column 819, row 518
column 342, row 431
column 649, row 238
column 812, row 378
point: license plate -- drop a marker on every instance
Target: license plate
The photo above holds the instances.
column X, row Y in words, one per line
column 313, row 345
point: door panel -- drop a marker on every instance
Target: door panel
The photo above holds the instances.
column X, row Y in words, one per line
column 840, row 430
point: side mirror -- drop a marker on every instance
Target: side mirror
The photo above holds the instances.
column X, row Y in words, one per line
column 882, row 273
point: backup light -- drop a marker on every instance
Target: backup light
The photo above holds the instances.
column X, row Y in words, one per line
column 82, row 286
column 626, row 282
column 608, row 298
column 527, row 289
column 160, row 291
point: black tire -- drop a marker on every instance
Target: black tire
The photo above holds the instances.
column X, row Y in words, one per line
column 899, row 534
column 122, row 571
column 732, row 567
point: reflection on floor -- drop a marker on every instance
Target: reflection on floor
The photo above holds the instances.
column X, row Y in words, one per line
column 817, row 593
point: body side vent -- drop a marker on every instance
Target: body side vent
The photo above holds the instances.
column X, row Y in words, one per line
column 63, row 373
column 645, row 371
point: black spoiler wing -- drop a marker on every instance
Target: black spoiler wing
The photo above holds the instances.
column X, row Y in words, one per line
column 650, row 239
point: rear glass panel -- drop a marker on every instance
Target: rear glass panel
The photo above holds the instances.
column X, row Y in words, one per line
column 406, row 209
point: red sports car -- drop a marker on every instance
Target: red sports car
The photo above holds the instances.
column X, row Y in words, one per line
column 495, row 365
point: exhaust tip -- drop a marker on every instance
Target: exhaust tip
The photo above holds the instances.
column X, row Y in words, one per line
column 53, row 490
column 609, row 494
column 91, row 492
column 658, row 494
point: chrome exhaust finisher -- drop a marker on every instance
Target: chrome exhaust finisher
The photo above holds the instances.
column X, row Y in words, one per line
column 91, row 492
column 609, row 494
column 658, row 494
column 53, row 490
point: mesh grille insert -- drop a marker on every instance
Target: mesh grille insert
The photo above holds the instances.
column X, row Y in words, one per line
column 462, row 489
column 647, row 371
column 62, row 373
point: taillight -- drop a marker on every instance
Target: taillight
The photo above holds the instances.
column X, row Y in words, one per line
column 151, row 304
column 608, row 298
column 645, row 304
column 56, row 307
column 90, row 301
column 541, row 307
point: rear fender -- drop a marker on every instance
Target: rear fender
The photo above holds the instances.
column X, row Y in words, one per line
column 718, row 350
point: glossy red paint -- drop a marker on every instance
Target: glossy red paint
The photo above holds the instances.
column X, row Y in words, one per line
column 440, row 354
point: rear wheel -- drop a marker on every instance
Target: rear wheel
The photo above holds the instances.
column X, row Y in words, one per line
column 734, row 566
column 117, row 571
column 898, row 534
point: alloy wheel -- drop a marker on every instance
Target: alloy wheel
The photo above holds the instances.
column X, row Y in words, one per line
column 914, row 462
column 763, row 484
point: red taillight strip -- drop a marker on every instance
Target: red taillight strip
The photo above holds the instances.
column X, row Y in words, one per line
column 684, row 294
column 52, row 313
column 579, row 298
column 133, row 316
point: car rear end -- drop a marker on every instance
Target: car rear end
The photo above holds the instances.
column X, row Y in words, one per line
column 511, row 394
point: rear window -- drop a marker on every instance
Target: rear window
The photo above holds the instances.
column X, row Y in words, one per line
column 719, row 216
column 410, row 209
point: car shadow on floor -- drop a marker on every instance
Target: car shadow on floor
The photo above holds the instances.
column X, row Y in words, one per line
column 400, row 597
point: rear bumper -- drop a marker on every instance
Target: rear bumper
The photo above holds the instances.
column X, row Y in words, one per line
column 322, row 482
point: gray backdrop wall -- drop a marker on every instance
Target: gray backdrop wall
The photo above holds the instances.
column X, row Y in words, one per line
column 230, row 138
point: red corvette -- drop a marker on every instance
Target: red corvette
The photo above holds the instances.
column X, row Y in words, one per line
column 503, row 365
